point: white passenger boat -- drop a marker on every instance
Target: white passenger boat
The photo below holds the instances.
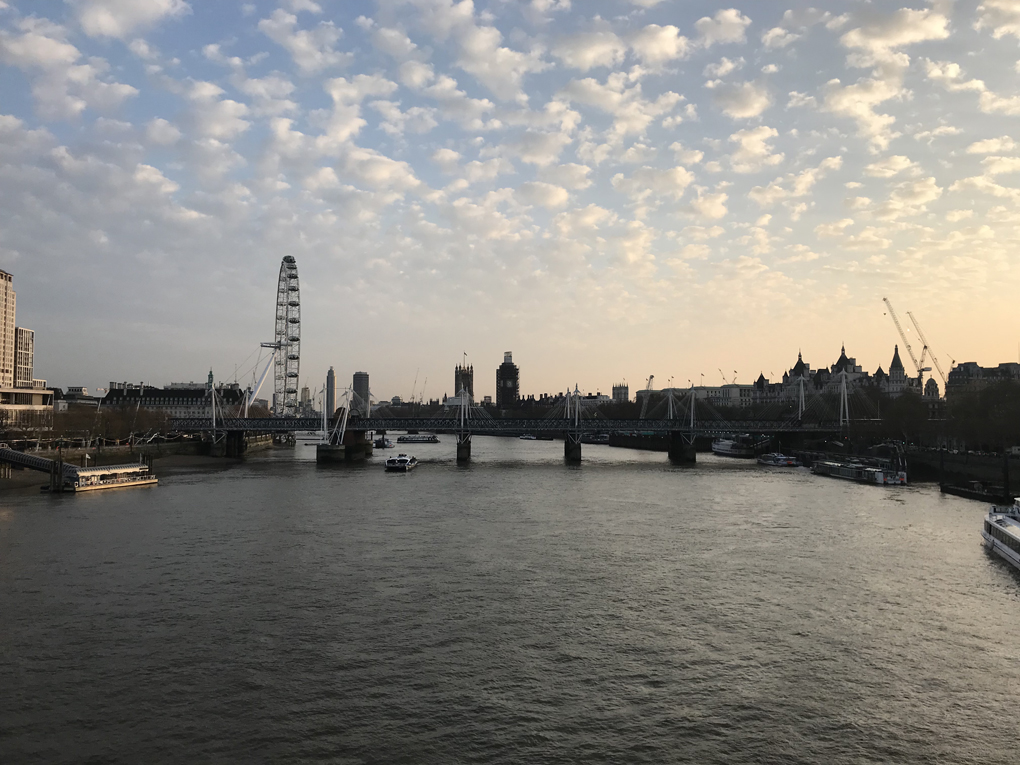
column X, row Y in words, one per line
column 738, row 446
column 856, row 471
column 528, row 437
column 418, row 438
column 775, row 459
column 402, row 463
column 1001, row 532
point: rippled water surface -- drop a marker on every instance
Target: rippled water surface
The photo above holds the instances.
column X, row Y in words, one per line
column 517, row 610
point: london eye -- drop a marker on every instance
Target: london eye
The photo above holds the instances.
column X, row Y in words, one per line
column 288, row 339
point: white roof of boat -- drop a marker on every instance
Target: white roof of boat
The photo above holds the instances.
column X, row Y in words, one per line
column 108, row 469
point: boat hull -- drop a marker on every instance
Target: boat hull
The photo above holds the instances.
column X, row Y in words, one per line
column 117, row 485
column 778, row 460
column 969, row 493
column 997, row 547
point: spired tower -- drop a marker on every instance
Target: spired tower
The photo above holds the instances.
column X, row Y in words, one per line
column 897, row 374
column 464, row 379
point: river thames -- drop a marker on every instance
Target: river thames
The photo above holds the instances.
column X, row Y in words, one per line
column 514, row 610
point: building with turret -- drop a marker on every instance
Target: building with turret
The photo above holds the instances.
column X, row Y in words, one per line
column 897, row 381
column 464, row 380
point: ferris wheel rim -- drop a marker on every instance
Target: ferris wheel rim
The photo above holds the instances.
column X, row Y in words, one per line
column 288, row 338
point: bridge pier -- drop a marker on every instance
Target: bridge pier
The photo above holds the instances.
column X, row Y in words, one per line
column 681, row 449
column 572, row 448
column 464, row 447
column 233, row 444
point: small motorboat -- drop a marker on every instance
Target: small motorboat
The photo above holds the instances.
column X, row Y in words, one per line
column 402, row 463
column 383, row 443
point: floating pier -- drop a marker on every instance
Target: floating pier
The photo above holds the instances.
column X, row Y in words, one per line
column 65, row 477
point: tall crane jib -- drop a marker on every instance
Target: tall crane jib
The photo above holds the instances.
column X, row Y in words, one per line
column 927, row 348
column 906, row 343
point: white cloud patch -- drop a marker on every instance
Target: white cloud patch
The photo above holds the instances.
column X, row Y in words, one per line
column 654, row 45
column 377, row 171
column 876, row 44
column 993, row 145
column 162, row 133
column 684, row 155
column 120, row 18
column 777, row 37
column 587, row 50
column 62, row 87
column 701, row 233
column 942, row 130
column 727, row 26
column 313, row 50
column 794, row 185
column 1001, row 16
column 742, row 100
column 583, row 220
column 754, row 149
column 722, row 67
column 889, row 166
column 910, row 198
column 546, row 195
column 346, row 120
column 631, row 111
column 571, row 175
column 646, row 181
column 393, row 42
column 215, row 117
column 710, row 206
column 950, row 76
column 834, row 228
column 500, row 69
column 416, row 119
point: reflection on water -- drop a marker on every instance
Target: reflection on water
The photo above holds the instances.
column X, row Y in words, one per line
column 512, row 610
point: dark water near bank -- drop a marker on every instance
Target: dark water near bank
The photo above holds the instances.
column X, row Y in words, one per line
column 518, row 610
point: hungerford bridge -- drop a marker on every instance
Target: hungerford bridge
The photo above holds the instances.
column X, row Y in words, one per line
column 570, row 422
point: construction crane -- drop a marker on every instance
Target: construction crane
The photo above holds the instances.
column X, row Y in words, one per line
column 648, row 395
column 723, row 376
column 927, row 348
column 906, row 344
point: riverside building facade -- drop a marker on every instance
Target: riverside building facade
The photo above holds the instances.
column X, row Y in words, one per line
column 25, row 402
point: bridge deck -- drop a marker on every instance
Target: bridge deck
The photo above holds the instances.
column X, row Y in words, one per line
column 506, row 426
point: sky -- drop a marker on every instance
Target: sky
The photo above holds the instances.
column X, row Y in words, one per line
column 608, row 188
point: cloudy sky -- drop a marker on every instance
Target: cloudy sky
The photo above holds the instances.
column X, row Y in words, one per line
column 609, row 188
